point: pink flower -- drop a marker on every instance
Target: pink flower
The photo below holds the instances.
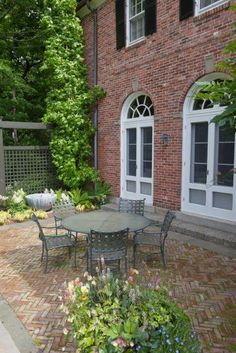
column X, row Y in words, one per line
column 130, row 279
column 119, row 342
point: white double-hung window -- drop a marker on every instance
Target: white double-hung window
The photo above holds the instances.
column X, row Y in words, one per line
column 135, row 20
column 205, row 5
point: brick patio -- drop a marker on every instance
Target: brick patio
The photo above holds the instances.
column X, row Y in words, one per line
column 203, row 282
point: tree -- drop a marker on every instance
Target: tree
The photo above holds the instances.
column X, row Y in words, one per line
column 224, row 92
column 22, row 88
column 69, row 98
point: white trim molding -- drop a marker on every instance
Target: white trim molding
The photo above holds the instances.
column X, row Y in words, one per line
column 204, row 193
column 137, row 120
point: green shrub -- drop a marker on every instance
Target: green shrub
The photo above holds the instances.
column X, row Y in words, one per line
column 109, row 315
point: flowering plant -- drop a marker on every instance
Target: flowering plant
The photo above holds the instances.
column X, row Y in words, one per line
column 4, row 217
column 109, row 315
column 16, row 201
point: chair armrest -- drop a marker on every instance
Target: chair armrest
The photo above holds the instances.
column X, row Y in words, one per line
column 51, row 227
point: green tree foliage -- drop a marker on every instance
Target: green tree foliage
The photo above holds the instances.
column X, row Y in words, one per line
column 69, row 98
column 22, row 88
column 224, row 92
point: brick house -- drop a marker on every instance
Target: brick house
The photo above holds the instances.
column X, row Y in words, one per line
column 154, row 138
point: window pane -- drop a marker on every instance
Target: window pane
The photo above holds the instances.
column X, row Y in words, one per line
column 225, row 175
column 131, row 186
column 136, row 6
column 146, row 157
column 225, row 157
column 222, row 200
column 226, row 134
column 201, row 132
column 197, row 196
column 141, row 109
column 131, row 136
column 226, row 153
column 146, row 188
column 132, row 168
column 131, row 152
column 200, row 173
column 137, row 28
column 147, row 170
column 147, row 134
column 147, row 153
column 201, row 152
column 205, row 3
column 141, row 99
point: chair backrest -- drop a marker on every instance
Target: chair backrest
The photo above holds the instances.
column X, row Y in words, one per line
column 111, row 242
column 63, row 207
column 167, row 223
column 132, row 206
column 41, row 233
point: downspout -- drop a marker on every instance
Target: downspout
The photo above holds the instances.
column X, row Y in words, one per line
column 95, row 114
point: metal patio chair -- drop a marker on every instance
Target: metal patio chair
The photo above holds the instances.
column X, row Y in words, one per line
column 53, row 241
column 156, row 238
column 132, row 206
column 62, row 209
column 110, row 246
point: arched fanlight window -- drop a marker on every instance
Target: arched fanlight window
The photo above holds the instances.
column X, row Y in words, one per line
column 140, row 107
column 201, row 103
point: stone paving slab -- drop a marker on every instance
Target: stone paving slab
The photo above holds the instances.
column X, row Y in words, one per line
column 201, row 281
column 6, row 342
column 14, row 338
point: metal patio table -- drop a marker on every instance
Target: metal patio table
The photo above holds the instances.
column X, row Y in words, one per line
column 104, row 221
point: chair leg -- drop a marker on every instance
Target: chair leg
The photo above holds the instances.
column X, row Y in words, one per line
column 69, row 249
column 162, row 250
column 134, row 254
column 46, row 264
column 126, row 265
column 42, row 252
column 75, row 254
column 119, row 265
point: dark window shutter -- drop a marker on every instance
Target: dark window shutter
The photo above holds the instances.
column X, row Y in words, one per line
column 120, row 24
column 186, row 9
column 150, row 17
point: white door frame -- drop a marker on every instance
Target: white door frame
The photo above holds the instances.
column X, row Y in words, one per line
column 138, row 124
column 197, row 116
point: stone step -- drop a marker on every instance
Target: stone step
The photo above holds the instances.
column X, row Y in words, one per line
column 221, row 233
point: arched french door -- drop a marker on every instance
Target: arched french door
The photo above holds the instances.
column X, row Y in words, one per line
column 209, row 160
column 137, row 148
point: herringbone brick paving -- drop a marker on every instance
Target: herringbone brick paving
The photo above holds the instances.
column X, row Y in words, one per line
column 202, row 282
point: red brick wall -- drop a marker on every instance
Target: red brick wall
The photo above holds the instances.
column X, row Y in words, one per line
column 164, row 65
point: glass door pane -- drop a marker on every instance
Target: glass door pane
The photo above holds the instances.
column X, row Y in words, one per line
column 131, row 160
column 199, row 153
column 146, row 152
column 225, row 156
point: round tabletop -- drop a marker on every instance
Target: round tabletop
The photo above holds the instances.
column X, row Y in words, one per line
column 104, row 221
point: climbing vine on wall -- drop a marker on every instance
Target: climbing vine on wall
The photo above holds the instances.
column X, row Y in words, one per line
column 69, row 99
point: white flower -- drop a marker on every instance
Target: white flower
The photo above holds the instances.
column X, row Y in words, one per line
column 84, row 290
column 3, row 198
column 65, row 197
column 65, row 331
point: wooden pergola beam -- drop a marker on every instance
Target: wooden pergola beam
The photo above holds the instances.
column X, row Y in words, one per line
column 22, row 125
